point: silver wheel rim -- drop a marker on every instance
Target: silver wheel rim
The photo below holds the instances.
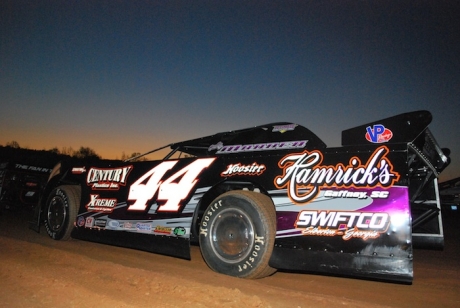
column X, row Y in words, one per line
column 232, row 235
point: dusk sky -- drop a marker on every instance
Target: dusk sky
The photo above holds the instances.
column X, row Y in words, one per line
column 130, row 76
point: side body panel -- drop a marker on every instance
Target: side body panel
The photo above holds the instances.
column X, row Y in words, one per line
column 143, row 205
column 359, row 221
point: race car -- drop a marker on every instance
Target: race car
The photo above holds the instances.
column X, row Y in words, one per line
column 20, row 184
column 266, row 198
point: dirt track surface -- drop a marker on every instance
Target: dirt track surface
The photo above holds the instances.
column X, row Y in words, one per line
column 36, row 271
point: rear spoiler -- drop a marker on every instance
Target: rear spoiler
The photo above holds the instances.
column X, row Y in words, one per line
column 425, row 161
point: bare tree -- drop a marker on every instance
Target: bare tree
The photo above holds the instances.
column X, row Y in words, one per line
column 67, row 151
column 85, row 153
column 54, row 150
column 126, row 157
column 13, row 144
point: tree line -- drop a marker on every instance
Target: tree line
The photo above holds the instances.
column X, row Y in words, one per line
column 81, row 153
column 12, row 151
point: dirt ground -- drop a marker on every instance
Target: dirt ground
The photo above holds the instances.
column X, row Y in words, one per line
column 36, row 271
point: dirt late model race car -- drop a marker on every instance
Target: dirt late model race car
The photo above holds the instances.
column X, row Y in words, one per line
column 20, row 184
column 265, row 198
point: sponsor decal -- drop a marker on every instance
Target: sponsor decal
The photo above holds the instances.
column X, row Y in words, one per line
column 109, row 178
column 127, row 225
column 114, row 224
column 239, row 169
column 80, row 221
column 270, row 146
column 100, row 223
column 219, row 145
column 378, row 134
column 284, row 128
column 179, row 231
column 32, row 168
column 348, row 225
column 356, row 194
column 97, row 204
column 89, row 223
column 304, row 176
column 78, row 170
column 143, row 227
column 162, row 230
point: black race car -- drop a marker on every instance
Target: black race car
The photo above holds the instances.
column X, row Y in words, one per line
column 20, row 184
column 265, row 198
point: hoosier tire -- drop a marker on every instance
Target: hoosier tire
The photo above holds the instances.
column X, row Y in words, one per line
column 61, row 211
column 237, row 234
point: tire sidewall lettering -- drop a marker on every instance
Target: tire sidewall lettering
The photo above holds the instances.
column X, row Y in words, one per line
column 253, row 257
column 209, row 213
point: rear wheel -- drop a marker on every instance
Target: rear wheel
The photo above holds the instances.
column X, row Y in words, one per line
column 61, row 211
column 237, row 234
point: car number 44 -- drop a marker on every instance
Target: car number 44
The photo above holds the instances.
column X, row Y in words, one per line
column 169, row 190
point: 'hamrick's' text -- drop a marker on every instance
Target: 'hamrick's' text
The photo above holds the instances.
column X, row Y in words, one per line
column 303, row 174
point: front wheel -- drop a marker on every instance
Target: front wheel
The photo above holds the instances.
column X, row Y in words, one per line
column 61, row 211
column 237, row 234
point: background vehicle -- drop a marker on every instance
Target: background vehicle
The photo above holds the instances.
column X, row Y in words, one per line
column 264, row 198
column 449, row 192
column 20, row 184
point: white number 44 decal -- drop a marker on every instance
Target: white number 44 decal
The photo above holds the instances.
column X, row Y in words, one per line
column 173, row 192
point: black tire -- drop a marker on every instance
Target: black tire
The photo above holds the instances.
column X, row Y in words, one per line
column 61, row 211
column 237, row 234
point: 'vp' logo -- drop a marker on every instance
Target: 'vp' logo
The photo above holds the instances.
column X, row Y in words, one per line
column 378, row 134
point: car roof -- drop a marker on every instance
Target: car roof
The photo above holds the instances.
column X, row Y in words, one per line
column 267, row 133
